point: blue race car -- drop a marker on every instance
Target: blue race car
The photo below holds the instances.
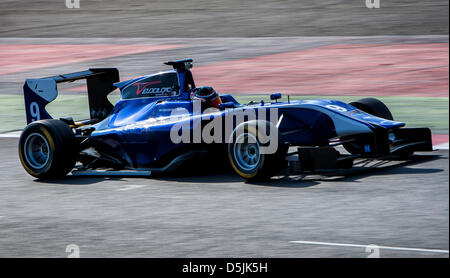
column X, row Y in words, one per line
column 162, row 121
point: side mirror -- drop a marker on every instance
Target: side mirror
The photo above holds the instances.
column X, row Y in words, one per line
column 275, row 96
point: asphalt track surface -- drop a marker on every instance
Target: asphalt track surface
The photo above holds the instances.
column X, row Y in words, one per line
column 218, row 18
column 216, row 213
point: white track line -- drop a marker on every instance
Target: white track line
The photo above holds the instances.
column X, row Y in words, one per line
column 14, row 134
column 131, row 187
column 364, row 246
column 443, row 146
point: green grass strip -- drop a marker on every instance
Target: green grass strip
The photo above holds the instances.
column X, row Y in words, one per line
column 415, row 111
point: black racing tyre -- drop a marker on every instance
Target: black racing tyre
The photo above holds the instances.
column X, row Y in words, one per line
column 374, row 107
column 47, row 149
column 246, row 152
column 371, row 106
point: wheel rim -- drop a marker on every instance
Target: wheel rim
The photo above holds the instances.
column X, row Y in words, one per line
column 37, row 150
column 247, row 154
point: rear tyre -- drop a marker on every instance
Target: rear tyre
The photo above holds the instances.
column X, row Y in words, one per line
column 47, row 149
column 247, row 156
column 371, row 106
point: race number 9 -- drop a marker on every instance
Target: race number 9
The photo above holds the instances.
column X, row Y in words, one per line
column 34, row 112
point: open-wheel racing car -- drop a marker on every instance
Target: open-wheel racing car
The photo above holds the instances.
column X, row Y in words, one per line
column 163, row 121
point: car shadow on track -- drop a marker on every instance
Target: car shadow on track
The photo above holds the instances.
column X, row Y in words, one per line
column 383, row 167
column 231, row 177
column 79, row 180
column 223, row 174
column 376, row 168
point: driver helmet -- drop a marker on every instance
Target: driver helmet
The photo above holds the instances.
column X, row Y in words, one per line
column 208, row 96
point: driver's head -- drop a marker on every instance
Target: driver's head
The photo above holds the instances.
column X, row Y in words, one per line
column 208, row 95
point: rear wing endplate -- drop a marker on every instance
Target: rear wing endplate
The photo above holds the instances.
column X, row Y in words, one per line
column 39, row 92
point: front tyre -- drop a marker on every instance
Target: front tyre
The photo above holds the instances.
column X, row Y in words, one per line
column 47, row 149
column 247, row 156
column 374, row 107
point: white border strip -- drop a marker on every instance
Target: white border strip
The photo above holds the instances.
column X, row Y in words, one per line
column 13, row 134
column 364, row 246
column 443, row 146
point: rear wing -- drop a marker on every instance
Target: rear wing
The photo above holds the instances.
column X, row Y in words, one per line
column 40, row 92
